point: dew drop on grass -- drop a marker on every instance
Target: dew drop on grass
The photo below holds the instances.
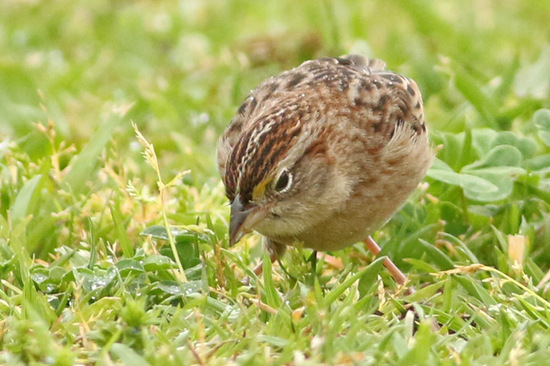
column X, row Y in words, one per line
column 98, row 283
column 50, row 288
column 39, row 277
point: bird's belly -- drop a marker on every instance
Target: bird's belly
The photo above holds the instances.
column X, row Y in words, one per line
column 339, row 232
column 372, row 204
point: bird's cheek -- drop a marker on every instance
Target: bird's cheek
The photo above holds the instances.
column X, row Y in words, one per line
column 274, row 214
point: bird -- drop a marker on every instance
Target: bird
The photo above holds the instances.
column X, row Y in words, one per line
column 324, row 154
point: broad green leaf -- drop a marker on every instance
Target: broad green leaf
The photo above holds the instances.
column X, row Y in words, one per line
column 499, row 156
column 91, row 280
column 503, row 171
column 489, row 179
column 542, row 119
column 156, row 231
column 40, row 275
column 538, row 162
column 76, row 274
column 127, row 266
column 185, row 242
column 527, row 146
column 498, row 167
column 503, row 183
column 187, row 252
column 483, row 140
column 56, row 274
column 442, row 172
column 453, row 214
column 157, row 263
column 452, row 143
column 185, row 235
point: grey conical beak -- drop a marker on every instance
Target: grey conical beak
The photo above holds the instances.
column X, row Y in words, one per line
column 238, row 217
column 243, row 221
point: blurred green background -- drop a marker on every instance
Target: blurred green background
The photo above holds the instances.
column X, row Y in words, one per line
column 187, row 65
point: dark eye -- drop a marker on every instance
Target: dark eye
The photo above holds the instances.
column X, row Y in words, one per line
column 283, row 182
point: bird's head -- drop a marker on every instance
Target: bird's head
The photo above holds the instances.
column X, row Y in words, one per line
column 279, row 176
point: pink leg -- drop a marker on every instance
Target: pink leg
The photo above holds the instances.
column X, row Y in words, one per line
column 392, row 268
column 259, row 269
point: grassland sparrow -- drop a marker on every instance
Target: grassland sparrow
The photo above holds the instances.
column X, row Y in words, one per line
column 324, row 154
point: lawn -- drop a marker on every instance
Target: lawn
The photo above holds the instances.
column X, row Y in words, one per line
column 109, row 116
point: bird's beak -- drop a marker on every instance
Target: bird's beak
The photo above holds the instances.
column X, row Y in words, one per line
column 243, row 221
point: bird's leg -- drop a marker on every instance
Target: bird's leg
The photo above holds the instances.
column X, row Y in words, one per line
column 258, row 270
column 313, row 259
column 276, row 250
column 260, row 267
column 399, row 277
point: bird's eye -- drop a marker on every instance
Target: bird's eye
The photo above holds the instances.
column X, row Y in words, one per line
column 283, row 182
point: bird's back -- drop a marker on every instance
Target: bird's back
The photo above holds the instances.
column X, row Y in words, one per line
column 351, row 86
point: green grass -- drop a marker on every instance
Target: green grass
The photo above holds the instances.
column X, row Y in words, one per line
column 90, row 274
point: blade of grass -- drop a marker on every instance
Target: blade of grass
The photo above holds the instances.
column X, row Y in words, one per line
column 20, row 208
column 271, row 296
column 437, row 256
column 370, row 271
column 122, row 235
column 82, row 166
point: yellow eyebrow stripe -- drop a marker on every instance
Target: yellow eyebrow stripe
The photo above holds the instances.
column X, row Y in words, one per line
column 260, row 188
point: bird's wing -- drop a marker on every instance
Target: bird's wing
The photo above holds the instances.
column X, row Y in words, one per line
column 313, row 74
